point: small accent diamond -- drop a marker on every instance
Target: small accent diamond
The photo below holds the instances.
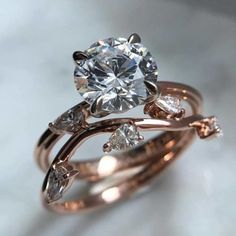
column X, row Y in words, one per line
column 165, row 107
column 56, row 184
column 126, row 136
column 58, row 181
column 169, row 104
column 69, row 121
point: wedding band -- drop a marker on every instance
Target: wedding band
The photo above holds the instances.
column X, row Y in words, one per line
column 122, row 189
column 89, row 168
column 114, row 76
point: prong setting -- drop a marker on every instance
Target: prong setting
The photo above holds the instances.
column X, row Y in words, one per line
column 79, row 56
column 54, row 128
column 207, row 128
column 95, row 109
column 116, row 75
column 107, row 147
column 134, row 38
column 152, row 87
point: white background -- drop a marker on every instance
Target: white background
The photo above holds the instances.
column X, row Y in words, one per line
column 194, row 42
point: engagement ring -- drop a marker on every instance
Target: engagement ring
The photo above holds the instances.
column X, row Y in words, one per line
column 114, row 76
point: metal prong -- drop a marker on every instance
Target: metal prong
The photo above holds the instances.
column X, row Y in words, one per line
column 152, row 87
column 140, row 138
column 134, row 38
column 72, row 174
column 96, row 110
column 54, row 129
column 153, row 90
column 180, row 115
column 79, row 56
column 107, row 147
column 84, row 123
column 207, row 127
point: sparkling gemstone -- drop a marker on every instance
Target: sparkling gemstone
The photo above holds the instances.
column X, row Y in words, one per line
column 169, row 104
column 126, row 136
column 214, row 126
column 114, row 73
column 56, row 184
column 70, row 121
column 208, row 127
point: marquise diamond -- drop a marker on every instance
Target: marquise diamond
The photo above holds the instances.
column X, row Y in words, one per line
column 69, row 121
column 56, row 184
column 57, row 181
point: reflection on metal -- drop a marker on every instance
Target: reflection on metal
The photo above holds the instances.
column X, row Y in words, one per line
column 111, row 194
column 107, row 165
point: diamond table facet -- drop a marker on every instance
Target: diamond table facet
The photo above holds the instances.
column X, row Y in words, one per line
column 113, row 75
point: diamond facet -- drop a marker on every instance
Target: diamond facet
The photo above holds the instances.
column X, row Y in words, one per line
column 113, row 74
column 126, row 136
column 169, row 104
column 69, row 121
column 56, row 184
column 57, row 181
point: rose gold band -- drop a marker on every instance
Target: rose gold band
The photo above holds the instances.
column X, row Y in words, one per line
column 49, row 139
column 152, row 156
column 128, row 186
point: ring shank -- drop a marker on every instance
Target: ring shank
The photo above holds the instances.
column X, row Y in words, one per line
column 153, row 156
column 126, row 187
column 88, row 168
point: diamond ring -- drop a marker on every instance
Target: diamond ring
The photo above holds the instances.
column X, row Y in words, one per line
column 113, row 76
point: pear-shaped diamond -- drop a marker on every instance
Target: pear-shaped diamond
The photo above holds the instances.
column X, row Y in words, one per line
column 126, row 136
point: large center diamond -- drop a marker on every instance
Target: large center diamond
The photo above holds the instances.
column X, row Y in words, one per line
column 114, row 74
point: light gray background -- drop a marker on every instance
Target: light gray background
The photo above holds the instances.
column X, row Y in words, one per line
column 194, row 42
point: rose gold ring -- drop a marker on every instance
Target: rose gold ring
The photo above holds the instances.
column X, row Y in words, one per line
column 114, row 76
